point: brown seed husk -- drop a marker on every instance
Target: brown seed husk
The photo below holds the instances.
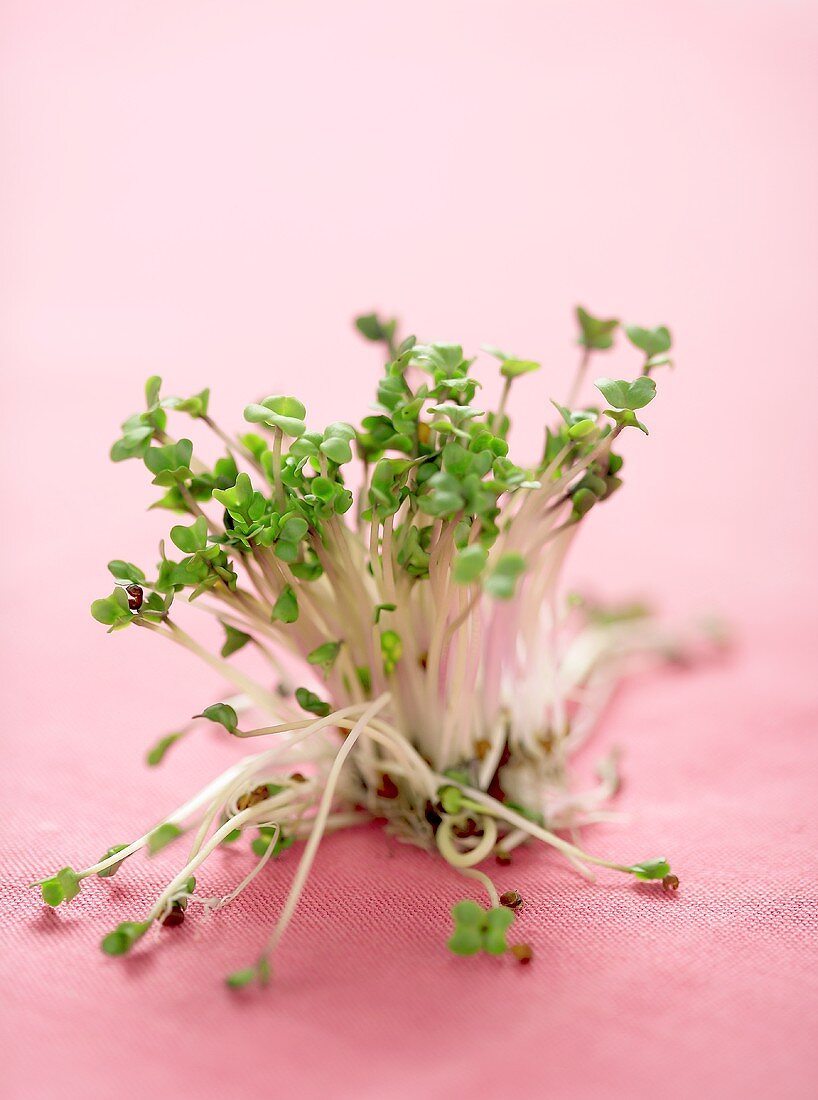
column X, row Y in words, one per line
column 175, row 917
column 522, row 952
column 511, row 899
column 252, row 798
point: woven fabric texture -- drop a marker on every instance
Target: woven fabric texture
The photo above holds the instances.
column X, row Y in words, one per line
column 713, row 989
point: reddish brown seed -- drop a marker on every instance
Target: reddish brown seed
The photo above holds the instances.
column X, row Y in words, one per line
column 502, row 857
column 431, row 814
column 175, row 917
column 495, row 788
column 297, row 777
column 670, row 882
column 135, row 596
column 511, row 899
column 467, row 829
column 252, row 798
column 388, row 787
column 522, row 952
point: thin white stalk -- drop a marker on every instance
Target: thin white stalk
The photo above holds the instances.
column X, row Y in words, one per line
column 314, row 839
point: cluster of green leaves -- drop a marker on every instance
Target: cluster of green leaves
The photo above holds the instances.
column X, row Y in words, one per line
column 625, row 397
column 253, row 519
column 205, row 565
column 478, row 929
column 431, row 458
column 428, row 451
column 140, row 429
column 170, row 461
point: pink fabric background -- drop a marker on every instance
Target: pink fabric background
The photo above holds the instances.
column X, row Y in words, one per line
column 210, row 192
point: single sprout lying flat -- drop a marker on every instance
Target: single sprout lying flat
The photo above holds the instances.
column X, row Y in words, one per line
column 401, row 580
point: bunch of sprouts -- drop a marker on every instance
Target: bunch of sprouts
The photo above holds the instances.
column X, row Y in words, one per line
column 401, row 581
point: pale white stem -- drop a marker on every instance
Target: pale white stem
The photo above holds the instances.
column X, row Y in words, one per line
column 457, row 858
column 314, row 839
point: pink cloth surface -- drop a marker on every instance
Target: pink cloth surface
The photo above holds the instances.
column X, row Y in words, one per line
column 210, row 192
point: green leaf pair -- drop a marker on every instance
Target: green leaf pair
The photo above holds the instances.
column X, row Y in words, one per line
column 626, row 418
column 190, row 540
column 126, row 572
column 239, row 497
column 502, row 581
column 138, row 430
column 469, row 564
column 195, row 406
column 391, row 650
column 113, row 611
column 373, row 328
column 162, row 836
column 336, row 443
column 627, row 395
column 624, row 397
column 510, row 366
column 324, row 656
column 324, row 497
column 240, row 979
column 312, row 703
column 593, row 487
column 124, row 936
column 650, row 869
column 170, row 464
column 451, row 798
column 223, row 714
column 109, row 872
column 387, row 486
column 156, row 755
column 654, row 342
column 264, row 839
column 62, row 887
column 285, row 413
column 477, row 929
column 285, row 609
column 595, row 333
column 234, row 640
